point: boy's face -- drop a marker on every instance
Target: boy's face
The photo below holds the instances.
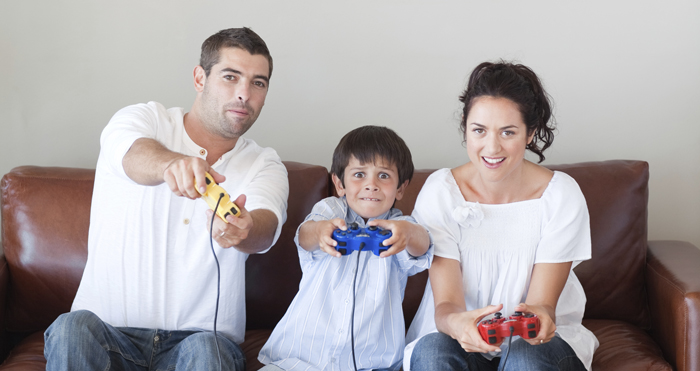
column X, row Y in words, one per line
column 370, row 188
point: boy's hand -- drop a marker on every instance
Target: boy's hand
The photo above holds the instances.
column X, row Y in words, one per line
column 404, row 234
column 319, row 234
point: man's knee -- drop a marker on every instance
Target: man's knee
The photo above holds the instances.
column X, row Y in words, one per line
column 201, row 349
column 72, row 327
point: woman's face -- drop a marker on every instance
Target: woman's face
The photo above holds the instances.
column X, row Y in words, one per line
column 496, row 137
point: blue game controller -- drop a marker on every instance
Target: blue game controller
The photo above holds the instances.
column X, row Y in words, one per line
column 361, row 239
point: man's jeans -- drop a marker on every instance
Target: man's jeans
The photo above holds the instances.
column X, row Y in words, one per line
column 81, row 341
column 437, row 351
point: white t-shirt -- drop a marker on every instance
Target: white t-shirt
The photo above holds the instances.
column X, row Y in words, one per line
column 498, row 245
column 149, row 260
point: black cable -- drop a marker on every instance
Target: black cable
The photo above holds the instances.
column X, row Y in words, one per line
column 218, row 278
column 352, row 317
column 510, row 338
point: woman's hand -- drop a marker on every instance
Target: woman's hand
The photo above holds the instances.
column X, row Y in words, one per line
column 547, row 325
column 465, row 331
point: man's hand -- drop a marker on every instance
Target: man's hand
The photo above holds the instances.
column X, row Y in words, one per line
column 181, row 173
column 236, row 230
column 404, row 235
column 318, row 235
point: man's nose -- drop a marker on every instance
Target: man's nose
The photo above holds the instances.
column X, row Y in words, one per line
column 243, row 92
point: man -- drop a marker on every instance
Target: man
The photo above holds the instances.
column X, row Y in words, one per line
column 148, row 295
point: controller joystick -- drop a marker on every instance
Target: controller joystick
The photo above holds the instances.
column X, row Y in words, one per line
column 212, row 195
column 361, row 239
column 494, row 330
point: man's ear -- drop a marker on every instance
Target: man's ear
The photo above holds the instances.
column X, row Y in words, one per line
column 401, row 190
column 339, row 189
column 200, row 79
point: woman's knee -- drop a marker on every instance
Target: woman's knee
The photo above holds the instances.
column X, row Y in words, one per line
column 435, row 350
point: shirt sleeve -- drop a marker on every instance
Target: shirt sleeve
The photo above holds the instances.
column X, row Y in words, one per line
column 326, row 209
column 407, row 263
column 126, row 126
column 566, row 231
column 269, row 188
column 433, row 210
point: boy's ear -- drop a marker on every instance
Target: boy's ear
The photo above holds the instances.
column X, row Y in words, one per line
column 338, row 185
column 401, row 190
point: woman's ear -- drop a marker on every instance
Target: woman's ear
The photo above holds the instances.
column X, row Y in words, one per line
column 339, row 189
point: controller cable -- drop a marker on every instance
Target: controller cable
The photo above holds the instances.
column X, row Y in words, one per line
column 352, row 316
column 510, row 338
column 218, row 277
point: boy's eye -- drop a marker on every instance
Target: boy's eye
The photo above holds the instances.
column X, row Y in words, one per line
column 383, row 176
column 359, row 175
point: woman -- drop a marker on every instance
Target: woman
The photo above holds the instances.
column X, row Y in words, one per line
column 507, row 234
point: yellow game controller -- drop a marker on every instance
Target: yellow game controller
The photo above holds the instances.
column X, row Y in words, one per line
column 212, row 195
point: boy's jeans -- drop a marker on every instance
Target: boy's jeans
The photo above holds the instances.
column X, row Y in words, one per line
column 437, row 351
column 81, row 341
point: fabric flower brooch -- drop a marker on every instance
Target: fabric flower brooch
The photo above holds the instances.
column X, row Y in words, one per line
column 468, row 215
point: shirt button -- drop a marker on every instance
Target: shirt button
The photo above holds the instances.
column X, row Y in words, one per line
column 156, row 338
column 186, row 221
column 202, row 152
column 347, row 301
column 340, row 331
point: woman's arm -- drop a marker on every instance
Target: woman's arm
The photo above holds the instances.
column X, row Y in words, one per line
column 546, row 284
column 451, row 316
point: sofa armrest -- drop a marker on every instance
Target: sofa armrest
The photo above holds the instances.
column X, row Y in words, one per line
column 673, row 284
column 4, row 286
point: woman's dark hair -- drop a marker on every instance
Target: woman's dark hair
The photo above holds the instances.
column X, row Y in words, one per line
column 521, row 85
column 369, row 143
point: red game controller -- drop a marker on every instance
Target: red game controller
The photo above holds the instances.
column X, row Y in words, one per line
column 494, row 330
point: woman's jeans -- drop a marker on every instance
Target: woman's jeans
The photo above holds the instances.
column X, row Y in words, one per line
column 81, row 341
column 437, row 351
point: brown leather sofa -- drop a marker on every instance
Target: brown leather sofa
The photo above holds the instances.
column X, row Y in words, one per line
column 643, row 296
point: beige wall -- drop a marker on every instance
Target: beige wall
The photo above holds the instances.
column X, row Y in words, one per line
column 624, row 75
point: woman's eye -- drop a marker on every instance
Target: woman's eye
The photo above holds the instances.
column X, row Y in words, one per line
column 508, row 133
column 479, row 131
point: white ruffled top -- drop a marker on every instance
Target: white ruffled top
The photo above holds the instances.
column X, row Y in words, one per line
column 498, row 245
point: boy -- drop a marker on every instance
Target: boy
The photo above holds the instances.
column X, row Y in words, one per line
column 371, row 169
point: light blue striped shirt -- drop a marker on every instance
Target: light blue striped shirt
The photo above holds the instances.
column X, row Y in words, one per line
column 314, row 334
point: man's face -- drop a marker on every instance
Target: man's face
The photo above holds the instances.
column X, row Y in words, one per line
column 233, row 94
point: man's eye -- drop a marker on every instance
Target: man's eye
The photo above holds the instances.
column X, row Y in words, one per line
column 229, row 77
column 259, row 84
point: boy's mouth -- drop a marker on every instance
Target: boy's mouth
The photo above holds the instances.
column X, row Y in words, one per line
column 369, row 199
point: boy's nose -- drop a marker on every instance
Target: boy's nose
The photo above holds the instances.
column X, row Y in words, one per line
column 371, row 187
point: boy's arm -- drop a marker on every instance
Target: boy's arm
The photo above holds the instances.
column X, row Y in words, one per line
column 405, row 235
column 314, row 235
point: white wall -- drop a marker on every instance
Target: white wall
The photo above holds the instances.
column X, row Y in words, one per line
column 624, row 75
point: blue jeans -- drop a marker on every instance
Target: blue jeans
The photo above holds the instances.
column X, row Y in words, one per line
column 81, row 341
column 438, row 351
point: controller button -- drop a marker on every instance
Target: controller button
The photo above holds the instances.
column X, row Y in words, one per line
column 491, row 332
column 233, row 211
column 530, row 325
column 384, row 232
column 373, row 228
column 227, row 214
column 532, row 334
column 497, row 315
column 381, row 250
column 354, row 226
column 518, row 314
column 207, row 179
column 529, row 315
column 342, row 243
column 492, row 340
column 342, row 251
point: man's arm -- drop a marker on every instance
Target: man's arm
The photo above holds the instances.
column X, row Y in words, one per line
column 149, row 163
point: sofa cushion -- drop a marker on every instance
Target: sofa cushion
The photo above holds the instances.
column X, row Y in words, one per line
column 625, row 347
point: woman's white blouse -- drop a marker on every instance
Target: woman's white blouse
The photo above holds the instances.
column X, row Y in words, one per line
column 497, row 247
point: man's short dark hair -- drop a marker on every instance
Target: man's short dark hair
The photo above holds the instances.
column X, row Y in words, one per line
column 370, row 143
column 243, row 38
